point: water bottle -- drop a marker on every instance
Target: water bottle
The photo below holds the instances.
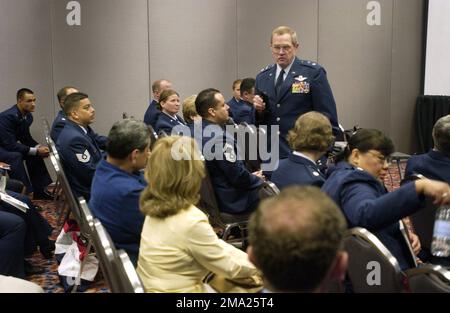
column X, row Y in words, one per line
column 440, row 246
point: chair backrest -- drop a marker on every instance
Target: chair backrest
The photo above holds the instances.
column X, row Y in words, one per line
column 423, row 222
column 226, row 222
column 247, row 141
column 87, row 219
column 46, row 127
column 106, row 254
column 371, row 267
column 67, row 190
column 129, row 279
column 428, row 278
column 208, row 201
column 268, row 189
column 153, row 136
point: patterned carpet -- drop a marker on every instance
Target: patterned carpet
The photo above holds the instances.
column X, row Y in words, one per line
column 49, row 280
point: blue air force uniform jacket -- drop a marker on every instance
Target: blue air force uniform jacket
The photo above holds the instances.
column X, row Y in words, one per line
column 297, row 170
column 15, row 144
column 366, row 203
column 115, row 202
column 235, row 187
column 233, row 103
column 58, row 125
column 304, row 89
column 15, row 131
column 166, row 122
column 432, row 165
column 244, row 112
column 151, row 114
column 80, row 155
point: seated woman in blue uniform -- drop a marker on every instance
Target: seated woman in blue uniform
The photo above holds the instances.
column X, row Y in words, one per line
column 356, row 186
column 179, row 248
column 436, row 163
column 310, row 139
column 169, row 100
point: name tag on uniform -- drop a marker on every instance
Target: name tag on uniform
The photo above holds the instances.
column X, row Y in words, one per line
column 300, row 87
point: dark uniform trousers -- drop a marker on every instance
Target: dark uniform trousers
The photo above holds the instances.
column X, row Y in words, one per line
column 12, row 234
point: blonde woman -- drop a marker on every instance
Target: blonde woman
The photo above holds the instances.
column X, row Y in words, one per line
column 190, row 114
column 178, row 245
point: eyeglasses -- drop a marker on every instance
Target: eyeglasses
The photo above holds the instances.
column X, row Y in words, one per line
column 383, row 159
column 284, row 48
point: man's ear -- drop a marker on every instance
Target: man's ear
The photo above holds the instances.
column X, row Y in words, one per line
column 339, row 267
column 133, row 155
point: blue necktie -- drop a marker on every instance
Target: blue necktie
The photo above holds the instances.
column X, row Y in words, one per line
column 279, row 82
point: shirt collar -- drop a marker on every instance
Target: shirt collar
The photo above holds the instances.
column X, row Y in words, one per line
column 83, row 128
column 286, row 70
column 303, row 156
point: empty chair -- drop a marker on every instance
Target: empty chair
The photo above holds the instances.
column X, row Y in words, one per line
column 428, row 279
column 371, row 267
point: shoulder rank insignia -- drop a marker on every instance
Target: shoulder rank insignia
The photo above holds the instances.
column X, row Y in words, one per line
column 84, row 158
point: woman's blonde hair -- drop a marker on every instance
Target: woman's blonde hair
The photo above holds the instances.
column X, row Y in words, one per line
column 174, row 174
column 312, row 132
column 189, row 110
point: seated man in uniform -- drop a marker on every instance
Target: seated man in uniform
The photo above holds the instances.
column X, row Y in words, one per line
column 17, row 145
column 235, row 187
column 244, row 110
column 77, row 146
column 118, row 183
column 60, row 119
column 233, row 102
column 436, row 163
column 152, row 113
column 296, row 241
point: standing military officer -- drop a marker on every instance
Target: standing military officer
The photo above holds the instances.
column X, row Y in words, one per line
column 17, row 145
column 292, row 87
column 77, row 146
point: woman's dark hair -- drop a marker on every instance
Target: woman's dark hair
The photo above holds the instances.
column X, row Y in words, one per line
column 365, row 140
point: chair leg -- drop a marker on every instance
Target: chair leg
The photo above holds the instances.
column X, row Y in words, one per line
column 78, row 279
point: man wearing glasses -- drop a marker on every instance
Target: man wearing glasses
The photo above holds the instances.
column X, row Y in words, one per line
column 290, row 88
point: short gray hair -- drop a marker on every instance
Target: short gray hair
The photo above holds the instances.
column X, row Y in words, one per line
column 441, row 134
column 126, row 136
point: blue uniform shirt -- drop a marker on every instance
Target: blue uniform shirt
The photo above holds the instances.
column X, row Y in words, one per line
column 166, row 122
column 15, row 131
column 151, row 114
column 304, row 89
column 297, row 170
column 235, row 187
column 80, row 155
column 115, row 202
column 432, row 165
column 366, row 203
